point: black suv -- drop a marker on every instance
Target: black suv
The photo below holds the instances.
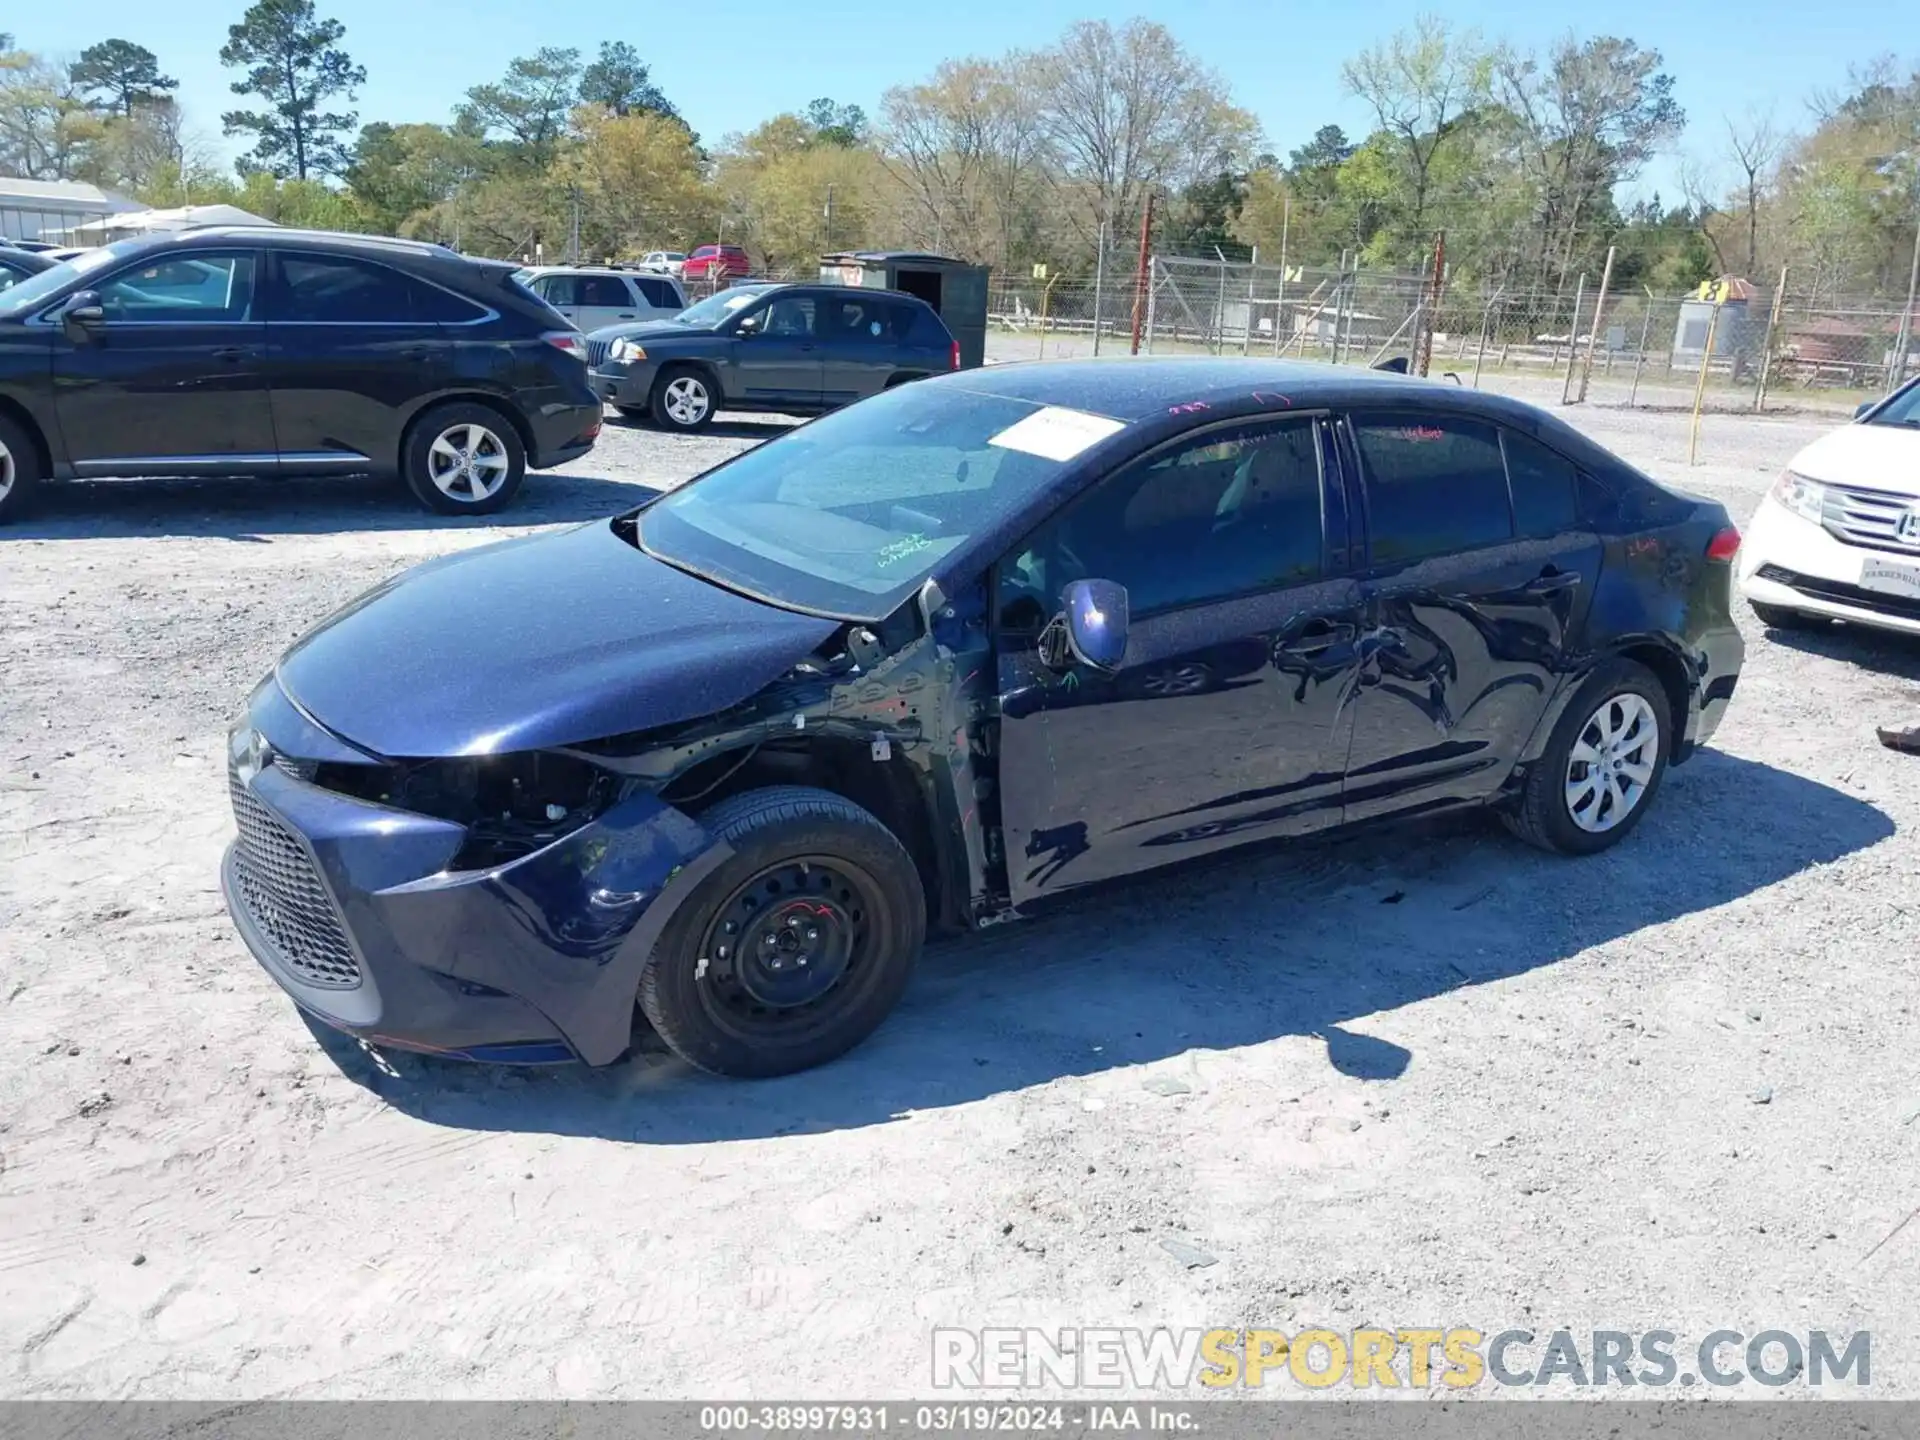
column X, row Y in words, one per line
column 262, row 351
column 793, row 349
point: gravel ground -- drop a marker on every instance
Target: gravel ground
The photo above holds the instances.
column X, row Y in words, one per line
column 1429, row 1078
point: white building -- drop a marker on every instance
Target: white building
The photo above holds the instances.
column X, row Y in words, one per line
column 30, row 209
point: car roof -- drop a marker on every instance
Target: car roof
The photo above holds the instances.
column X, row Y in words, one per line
column 1135, row 388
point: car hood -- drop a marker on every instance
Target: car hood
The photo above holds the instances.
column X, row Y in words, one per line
column 651, row 330
column 1872, row 457
column 552, row 639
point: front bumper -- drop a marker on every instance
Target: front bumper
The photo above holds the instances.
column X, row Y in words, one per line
column 619, row 383
column 350, row 908
column 1791, row 562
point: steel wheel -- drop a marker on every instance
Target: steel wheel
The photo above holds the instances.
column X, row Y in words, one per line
column 468, row 462
column 686, row 400
column 1612, row 763
column 787, row 946
column 8, row 471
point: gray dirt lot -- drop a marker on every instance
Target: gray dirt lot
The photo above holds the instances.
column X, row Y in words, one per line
column 1430, row 1078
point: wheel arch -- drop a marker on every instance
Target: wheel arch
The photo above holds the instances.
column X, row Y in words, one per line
column 42, row 446
column 701, row 366
column 1657, row 654
column 500, row 406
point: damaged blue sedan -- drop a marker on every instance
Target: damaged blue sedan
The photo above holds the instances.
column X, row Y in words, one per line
column 722, row 762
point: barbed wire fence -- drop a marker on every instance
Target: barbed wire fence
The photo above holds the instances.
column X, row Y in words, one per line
column 1738, row 347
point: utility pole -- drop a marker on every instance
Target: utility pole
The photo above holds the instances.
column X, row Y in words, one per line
column 1423, row 330
column 1140, row 273
column 1902, row 346
column 1099, row 282
column 828, row 245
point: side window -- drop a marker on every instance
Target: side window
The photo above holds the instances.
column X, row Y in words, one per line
column 791, row 316
column 8, row 277
column 182, row 289
column 1229, row 513
column 1545, row 488
column 1435, row 486
column 430, row 302
column 609, row 292
column 342, row 291
column 557, row 289
column 659, row 294
column 856, row 322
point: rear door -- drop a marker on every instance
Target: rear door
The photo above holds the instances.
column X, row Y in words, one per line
column 605, row 300
column 356, row 346
column 858, row 349
column 1229, row 719
column 660, row 298
column 1477, row 571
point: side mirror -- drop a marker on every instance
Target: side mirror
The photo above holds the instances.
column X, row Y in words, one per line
column 1091, row 628
column 749, row 325
column 1860, row 410
column 81, row 311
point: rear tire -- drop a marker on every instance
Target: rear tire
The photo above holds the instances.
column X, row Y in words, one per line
column 463, row 459
column 797, row 947
column 684, row 399
column 1602, row 765
column 19, row 470
column 1779, row 617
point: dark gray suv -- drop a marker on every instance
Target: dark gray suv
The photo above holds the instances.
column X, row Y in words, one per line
column 794, row 349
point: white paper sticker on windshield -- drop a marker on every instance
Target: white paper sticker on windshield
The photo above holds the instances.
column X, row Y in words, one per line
column 1057, row 433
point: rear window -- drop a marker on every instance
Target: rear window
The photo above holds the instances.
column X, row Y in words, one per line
column 1435, row 486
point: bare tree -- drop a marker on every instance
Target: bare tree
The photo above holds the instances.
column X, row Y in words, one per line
column 1420, row 83
column 1757, row 145
column 1130, row 111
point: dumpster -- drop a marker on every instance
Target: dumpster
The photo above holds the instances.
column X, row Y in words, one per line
column 957, row 290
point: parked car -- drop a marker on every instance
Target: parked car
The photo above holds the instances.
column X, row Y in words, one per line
column 592, row 298
column 1838, row 536
column 714, row 262
column 38, row 247
column 17, row 265
column 664, row 262
column 743, row 746
column 791, row 349
column 271, row 352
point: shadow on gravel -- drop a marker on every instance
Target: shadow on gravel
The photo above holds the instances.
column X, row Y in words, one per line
column 1231, row 952
column 1885, row 652
column 254, row 511
column 741, row 427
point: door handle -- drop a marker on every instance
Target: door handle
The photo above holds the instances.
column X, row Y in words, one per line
column 626, row 315
column 1552, row 582
column 231, row 353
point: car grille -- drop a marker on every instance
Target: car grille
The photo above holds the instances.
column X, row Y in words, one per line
column 1839, row 593
column 1869, row 518
column 597, row 353
column 284, row 898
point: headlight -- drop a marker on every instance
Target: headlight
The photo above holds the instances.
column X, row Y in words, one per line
column 628, row 350
column 247, row 751
column 1805, row 498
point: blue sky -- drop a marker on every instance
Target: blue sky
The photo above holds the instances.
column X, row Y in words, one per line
column 762, row 56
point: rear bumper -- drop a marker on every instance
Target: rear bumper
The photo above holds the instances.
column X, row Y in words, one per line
column 1792, row 563
column 534, row 961
column 564, row 431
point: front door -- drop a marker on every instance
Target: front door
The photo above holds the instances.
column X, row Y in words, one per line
column 778, row 362
column 1478, row 568
column 1229, row 719
column 173, row 380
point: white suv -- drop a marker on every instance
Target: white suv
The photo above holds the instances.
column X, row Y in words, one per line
column 592, row 297
column 664, row 262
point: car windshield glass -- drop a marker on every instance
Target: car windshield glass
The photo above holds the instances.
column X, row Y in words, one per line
column 848, row 516
column 35, row 288
column 715, row 308
column 1903, row 409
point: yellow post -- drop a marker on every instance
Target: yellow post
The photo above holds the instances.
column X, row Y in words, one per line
column 1046, row 296
column 1700, row 390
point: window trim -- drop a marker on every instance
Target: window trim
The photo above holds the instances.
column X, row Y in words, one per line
column 1320, row 418
column 1580, row 517
column 1365, row 566
column 487, row 312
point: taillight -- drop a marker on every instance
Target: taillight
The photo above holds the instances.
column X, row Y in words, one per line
column 956, row 354
column 569, row 341
column 1725, row 545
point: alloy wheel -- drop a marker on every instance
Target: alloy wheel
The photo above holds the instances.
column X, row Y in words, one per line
column 467, row 463
column 1178, row 680
column 7, row 470
column 687, row 400
column 1612, row 762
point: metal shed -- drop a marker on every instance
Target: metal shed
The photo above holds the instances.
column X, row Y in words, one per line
column 957, row 290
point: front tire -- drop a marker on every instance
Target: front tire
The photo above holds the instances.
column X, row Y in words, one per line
column 1602, row 765
column 797, row 947
column 463, row 459
column 19, row 470
column 684, row 399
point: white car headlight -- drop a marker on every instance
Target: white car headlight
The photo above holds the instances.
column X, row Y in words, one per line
column 627, row 350
column 1802, row 496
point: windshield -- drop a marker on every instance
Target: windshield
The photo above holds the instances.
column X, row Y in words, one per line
column 715, row 308
column 36, row 288
column 1902, row 409
column 848, row 516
